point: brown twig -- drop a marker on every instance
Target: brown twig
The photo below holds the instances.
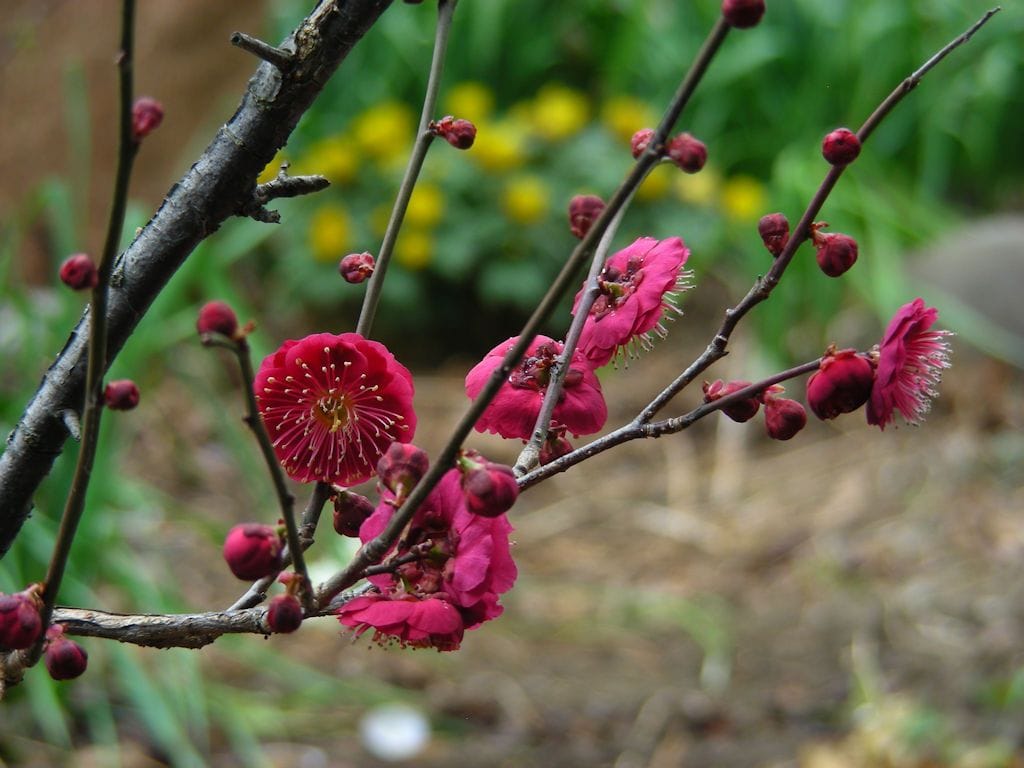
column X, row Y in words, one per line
column 280, row 58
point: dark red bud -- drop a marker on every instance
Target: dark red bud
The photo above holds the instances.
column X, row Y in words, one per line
column 491, row 489
column 147, row 114
column 79, row 273
column 640, row 141
column 217, row 317
column 842, row 383
column 20, row 625
column 350, row 511
column 742, row 410
column 687, row 152
column 284, row 614
column 65, row 659
column 459, row 133
column 774, row 231
column 783, row 417
column 836, row 253
column 583, row 212
column 743, row 14
column 252, row 551
column 121, row 395
column 840, row 147
column 554, row 447
column 401, row 467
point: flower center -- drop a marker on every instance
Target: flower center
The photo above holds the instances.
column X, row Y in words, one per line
column 617, row 285
column 332, row 412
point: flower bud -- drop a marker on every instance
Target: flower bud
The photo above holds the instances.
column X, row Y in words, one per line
column 583, row 212
column 284, row 614
column 640, row 141
column 350, row 511
column 147, row 114
column 836, row 253
column 401, row 467
column 743, row 410
column 65, row 659
column 121, row 395
column 20, row 625
column 356, row 267
column 841, row 384
column 687, row 152
column 491, row 489
column 783, row 417
column 554, row 447
column 252, row 551
column 217, row 317
column 774, row 231
column 840, row 147
column 459, row 133
column 79, row 273
column 743, row 14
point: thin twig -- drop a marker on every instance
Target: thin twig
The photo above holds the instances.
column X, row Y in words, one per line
column 280, row 186
column 97, row 351
column 424, row 138
column 280, row 58
column 284, row 497
column 763, row 287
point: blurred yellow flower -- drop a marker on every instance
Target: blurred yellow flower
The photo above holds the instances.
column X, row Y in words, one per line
column 269, row 173
column 330, row 232
column 525, row 199
column 698, row 188
column 499, row 146
column 743, row 198
column 558, row 112
column 426, row 206
column 414, row 249
column 385, row 131
column 470, row 100
column 379, row 218
column 625, row 115
column 334, row 157
column 658, row 182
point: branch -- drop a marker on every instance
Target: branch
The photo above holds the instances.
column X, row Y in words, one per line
column 282, row 185
column 220, row 182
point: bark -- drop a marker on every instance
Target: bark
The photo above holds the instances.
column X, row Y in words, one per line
column 219, row 185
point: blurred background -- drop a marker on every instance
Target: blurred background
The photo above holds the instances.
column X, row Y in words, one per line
column 849, row 599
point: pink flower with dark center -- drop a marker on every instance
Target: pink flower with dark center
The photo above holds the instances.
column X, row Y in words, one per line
column 333, row 404
column 638, row 285
column 911, row 359
column 453, row 567
column 513, row 412
column 413, row 622
column 468, row 555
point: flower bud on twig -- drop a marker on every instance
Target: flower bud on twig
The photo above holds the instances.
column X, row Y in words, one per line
column 253, row 550
column 147, row 114
column 356, row 267
column 79, row 273
column 687, row 152
column 121, row 395
column 583, row 212
column 840, row 147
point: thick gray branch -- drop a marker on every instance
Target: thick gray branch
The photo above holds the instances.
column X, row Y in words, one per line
column 219, row 185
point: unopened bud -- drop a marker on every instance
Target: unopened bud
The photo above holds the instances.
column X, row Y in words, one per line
column 65, row 659
column 583, row 212
column 217, row 317
column 490, row 489
column 742, row 410
column 842, row 383
column 459, row 133
column 840, row 147
column 252, row 551
column 356, row 267
column 20, row 625
column 743, row 14
column 284, row 614
column 836, row 253
column 774, row 231
column 350, row 511
column 121, row 395
column 147, row 114
column 783, row 417
column 640, row 141
column 401, row 467
column 79, row 272
column 687, row 152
